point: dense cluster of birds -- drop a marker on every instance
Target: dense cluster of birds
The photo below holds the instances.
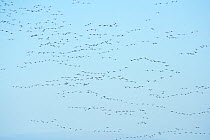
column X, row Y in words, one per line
column 103, row 70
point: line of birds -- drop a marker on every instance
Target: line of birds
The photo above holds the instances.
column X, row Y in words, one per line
column 195, row 51
column 176, row 131
column 168, row 2
column 72, row 129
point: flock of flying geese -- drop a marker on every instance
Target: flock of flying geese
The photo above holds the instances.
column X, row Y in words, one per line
column 59, row 44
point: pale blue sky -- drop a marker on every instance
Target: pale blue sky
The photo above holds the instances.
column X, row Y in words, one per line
column 18, row 105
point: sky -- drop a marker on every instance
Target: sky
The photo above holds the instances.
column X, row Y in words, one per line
column 104, row 69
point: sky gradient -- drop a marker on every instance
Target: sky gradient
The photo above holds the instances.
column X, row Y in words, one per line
column 104, row 69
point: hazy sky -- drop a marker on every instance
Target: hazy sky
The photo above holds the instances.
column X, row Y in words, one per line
column 104, row 69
